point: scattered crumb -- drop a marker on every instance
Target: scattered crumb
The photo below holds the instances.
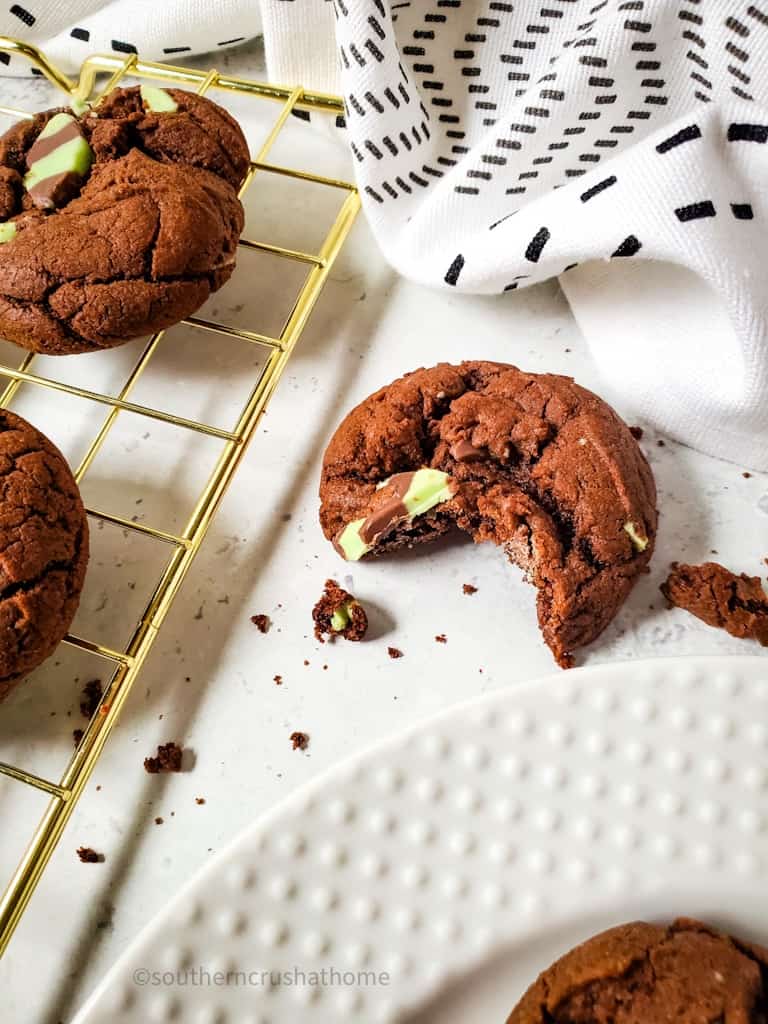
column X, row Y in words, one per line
column 637, row 433
column 278, row 680
column 199, row 800
column 306, row 662
column 338, row 613
column 469, row 589
column 660, row 443
column 441, row 638
column 77, row 735
column 89, row 698
column 168, row 759
column 89, row 856
column 299, row 740
column 98, row 789
column 325, row 668
column 159, row 821
column 104, row 709
column 746, row 475
column 261, row 622
column 394, row 652
column 721, row 598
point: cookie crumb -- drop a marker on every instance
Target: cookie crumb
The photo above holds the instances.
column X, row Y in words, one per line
column 637, row 433
column 261, row 622
column 278, row 680
column 306, row 662
column 168, row 759
column 338, row 613
column 159, row 821
column 299, row 740
column 77, row 735
column 394, row 652
column 746, row 475
column 441, row 638
column 89, row 698
column 660, row 444
column 89, row 856
column 469, row 589
column 717, row 596
column 199, row 800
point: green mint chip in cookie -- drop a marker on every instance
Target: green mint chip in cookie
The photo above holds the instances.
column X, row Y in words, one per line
column 406, row 496
column 158, row 100
column 7, row 231
column 638, row 540
column 429, row 487
column 350, row 543
column 59, row 155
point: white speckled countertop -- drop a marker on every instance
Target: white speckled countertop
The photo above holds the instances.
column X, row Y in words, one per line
column 209, row 682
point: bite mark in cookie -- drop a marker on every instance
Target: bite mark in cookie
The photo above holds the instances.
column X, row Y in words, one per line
column 646, row 974
column 717, row 596
column 531, row 462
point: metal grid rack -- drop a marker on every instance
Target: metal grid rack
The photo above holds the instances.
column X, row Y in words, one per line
column 126, row 664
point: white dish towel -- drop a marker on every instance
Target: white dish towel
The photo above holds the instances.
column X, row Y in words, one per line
column 622, row 144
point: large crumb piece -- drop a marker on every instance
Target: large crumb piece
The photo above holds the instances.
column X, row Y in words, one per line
column 90, row 697
column 469, row 589
column 89, row 856
column 299, row 740
column 168, row 759
column 338, row 613
column 394, row 652
column 737, row 604
column 261, row 622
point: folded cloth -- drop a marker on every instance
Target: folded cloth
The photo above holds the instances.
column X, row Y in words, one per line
column 70, row 30
column 501, row 143
column 498, row 144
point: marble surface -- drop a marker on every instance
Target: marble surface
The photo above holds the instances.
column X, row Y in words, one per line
column 209, row 681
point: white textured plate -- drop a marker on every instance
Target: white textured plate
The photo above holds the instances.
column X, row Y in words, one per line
column 431, row 878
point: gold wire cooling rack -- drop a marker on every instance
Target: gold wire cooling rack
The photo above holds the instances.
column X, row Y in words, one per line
column 183, row 546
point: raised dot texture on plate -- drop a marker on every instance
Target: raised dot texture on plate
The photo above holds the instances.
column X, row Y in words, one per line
column 482, row 831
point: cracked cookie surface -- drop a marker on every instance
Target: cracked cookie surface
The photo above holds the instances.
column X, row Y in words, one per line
column 645, row 974
column 139, row 242
column 538, row 465
column 43, row 548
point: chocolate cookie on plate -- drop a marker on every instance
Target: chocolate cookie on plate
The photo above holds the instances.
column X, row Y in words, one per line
column 43, row 548
column 117, row 221
column 645, row 974
column 531, row 462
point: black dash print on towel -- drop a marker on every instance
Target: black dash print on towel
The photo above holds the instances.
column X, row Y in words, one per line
column 684, row 135
column 176, row 49
column 694, row 211
column 742, row 211
column 121, row 47
column 81, row 33
column 228, row 42
column 25, row 16
column 454, row 270
column 598, row 188
column 536, row 245
column 628, row 247
column 748, row 133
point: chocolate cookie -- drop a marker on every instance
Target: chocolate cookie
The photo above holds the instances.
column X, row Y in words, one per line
column 118, row 221
column 643, row 974
column 717, row 596
column 531, row 462
column 43, row 548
